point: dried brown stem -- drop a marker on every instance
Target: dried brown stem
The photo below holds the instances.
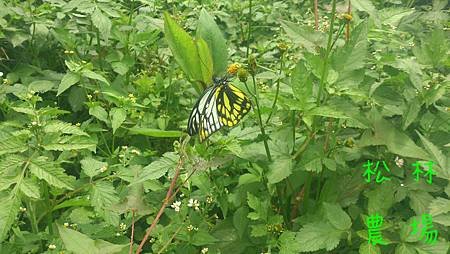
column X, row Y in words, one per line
column 316, row 15
column 132, row 232
column 347, row 27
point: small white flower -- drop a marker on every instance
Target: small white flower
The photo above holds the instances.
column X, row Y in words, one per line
column 52, row 247
column 194, row 203
column 66, row 224
column 122, row 226
column 135, row 151
column 117, row 234
column 209, row 199
column 402, row 184
column 22, row 209
column 176, row 206
column 399, row 162
column 103, row 169
column 1, row 74
column 204, row 250
column 190, row 228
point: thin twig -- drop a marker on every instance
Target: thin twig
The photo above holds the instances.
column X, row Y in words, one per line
column 316, row 15
column 166, row 199
column 132, row 232
column 347, row 28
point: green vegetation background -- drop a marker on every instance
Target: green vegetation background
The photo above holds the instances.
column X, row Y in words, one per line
column 96, row 95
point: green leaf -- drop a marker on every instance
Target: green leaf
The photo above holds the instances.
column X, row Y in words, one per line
column 5, row 182
column 93, row 75
column 99, row 113
column 288, row 243
column 433, row 49
column 76, row 98
column 63, row 127
column 67, row 143
column 439, row 206
column 184, row 50
column 118, row 116
column 258, row 230
column 337, row 217
column 366, row 248
column 205, row 60
column 67, row 81
column 419, row 201
column 30, row 188
column 279, row 169
column 327, row 112
column 79, row 243
column 384, row 133
column 92, row 167
column 318, row 235
column 259, row 207
column 11, row 144
column 210, row 32
column 381, row 198
column 202, row 238
column 440, row 247
column 8, row 212
column 301, row 82
column 305, row 36
column 103, row 196
column 155, row 132
column 51, row 172
column 41, row 86
column 102, row 23
column 366, row 6
column 158, row 168
column 435, row 153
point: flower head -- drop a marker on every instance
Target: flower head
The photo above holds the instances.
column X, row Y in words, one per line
column 176, row 206
column 194, row 203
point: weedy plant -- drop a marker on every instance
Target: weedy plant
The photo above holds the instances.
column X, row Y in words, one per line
column 345, row 149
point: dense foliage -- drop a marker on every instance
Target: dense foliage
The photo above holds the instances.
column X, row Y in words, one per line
column 96, row 96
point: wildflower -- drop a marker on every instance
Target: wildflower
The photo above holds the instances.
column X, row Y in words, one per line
column 52, row 247
column 1, row 74
column 89, row 96
column 5, row 81
column 135, row 151
column 242, row 75
column 103, row 169
column 399, row 162
column 194, row 203
column 233, row 68
column 122, row 226
column 347, row 17
column 204, row 250
column 152, row 240
column 34, row 123
column 66, row 224
column 176, row 206
column 124, row 147
column 209, row 199
column 22, row 209
column 191, row 228
column 117, row 234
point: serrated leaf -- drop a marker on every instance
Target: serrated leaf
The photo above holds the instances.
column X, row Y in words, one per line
column 11, row 144
column 67, row 81
column 210, row 32
column 93, row 75
column 79, row 243
column 366, row 248
column 260, row 207
column 279, row 169
column 41, row 86
column 30, row 188
column 11, row 161
column 51, row 172
column 6, row 181
column 99, row 112
column 258, row 230
column 419, row 201
column 102, row 23
column 337, row 217
column 301, row 82
column 440, row 247
column 103, row 196
column 436, row 154
column 8, row 211
column 92, row 167
column 288, row 244
column 158, row 168
column 67, row 143
column 318, row 235
column 439, row 206
column 118, row 116
column 63, row 127
column 381, row 199
column 305, row 36
column 202, row 238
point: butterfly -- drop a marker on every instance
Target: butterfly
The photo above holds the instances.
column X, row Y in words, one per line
column 221, row 104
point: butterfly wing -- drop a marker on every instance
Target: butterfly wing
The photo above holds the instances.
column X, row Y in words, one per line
column 232, row 105
column 196, row 113
column 210, row 121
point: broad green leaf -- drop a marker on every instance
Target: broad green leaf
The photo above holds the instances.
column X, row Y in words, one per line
column 8, row 212
column 63, row 127
column 51, row 172
column 41, row 86
column 103, row 196
column 202, row 238
column 279, row 169
column 433, row 49
column 67, row 143
column 435, row 153
column 384, row 133
column 366, row 248
column 67, row 81
column 318, row 235
column 419, row 201
column 240, row 220
column 248, row 178
column 135, row 200
column 11, row 162
column 183, row 48
column 205, row 60
column 11, row 144
column 79, row 243
column 305, row 36
column 301, row 83
column 439, row 206
column 381, row 199
column 327, row 112
column 440, row 247
column 92, row 167
column 158, row 168
column 155, row 132
column 258, row 230
column 99, row 113
column 337, row 217
column 411, row 113
column 118, row 116
column 259, row 207
column 366, row 6
column 5, row 182
column 93, row 75
column 30, row 188
column 76, row 98
column 288, row 243
column 102, row 23
column 210, row 32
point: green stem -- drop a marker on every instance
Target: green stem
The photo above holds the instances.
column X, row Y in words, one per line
column 48, row 216
column 258, row 111
column 249, row 33
column 278, row 88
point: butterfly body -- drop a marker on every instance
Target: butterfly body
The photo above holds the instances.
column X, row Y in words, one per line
column 221, row 104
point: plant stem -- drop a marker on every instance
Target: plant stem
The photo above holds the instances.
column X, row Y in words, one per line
column 278, row 88
column 316, row 15
column 249, row 32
